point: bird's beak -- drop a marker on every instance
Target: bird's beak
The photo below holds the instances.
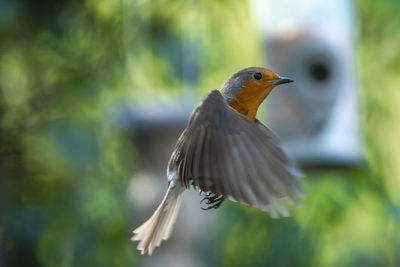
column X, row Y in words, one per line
column 281, row 80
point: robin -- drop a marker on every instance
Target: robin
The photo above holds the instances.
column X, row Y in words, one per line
column 226, row 152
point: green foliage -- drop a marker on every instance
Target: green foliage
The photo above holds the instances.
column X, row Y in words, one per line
column 344, row 221
column 186, row 45
column 64, row 166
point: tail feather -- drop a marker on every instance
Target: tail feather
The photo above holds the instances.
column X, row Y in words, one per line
column 159, row 226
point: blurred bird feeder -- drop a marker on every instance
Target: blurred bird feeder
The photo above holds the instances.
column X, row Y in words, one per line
column 312, row 41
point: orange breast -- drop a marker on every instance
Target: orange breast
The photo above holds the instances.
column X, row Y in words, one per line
column 250, row 97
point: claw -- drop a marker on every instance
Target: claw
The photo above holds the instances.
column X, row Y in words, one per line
column 213, row 201
column 215, row 206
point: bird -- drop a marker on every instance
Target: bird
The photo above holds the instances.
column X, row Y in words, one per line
column 225, row 152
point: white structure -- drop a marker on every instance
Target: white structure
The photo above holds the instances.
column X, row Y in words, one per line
column 312, row 41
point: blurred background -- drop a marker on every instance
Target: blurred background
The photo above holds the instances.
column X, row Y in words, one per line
column 93, row 95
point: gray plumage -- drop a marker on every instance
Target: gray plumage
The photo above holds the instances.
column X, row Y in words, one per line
column 225, row 153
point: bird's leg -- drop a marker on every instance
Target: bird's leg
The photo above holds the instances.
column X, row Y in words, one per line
column 213, row 201
column 210, row 197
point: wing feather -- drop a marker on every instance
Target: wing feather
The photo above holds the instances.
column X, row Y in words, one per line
column 223, row 152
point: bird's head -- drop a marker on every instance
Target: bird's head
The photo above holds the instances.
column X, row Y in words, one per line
column 246, row 89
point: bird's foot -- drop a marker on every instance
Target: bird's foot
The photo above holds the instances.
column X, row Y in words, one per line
column 212, row 201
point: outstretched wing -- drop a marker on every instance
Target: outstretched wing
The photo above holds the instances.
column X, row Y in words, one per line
column 223, row 152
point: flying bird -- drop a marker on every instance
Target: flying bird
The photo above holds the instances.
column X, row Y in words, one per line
column 225, row 152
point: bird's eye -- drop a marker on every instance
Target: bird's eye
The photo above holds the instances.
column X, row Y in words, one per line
column 257, row 76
